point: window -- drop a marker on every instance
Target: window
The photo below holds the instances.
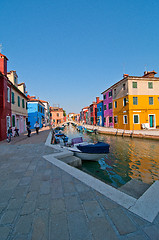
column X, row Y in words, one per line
column 41, row 109
column 23, row 105
column 124, row 86
column 18, row 101
column 15, row 79
column 150, row 100
column 13, row 120
column 57, row 114
column 134, row 84
column 110, row 93
column 104, row 96
column 136, row 119
column 8, row 94
column 104, row 119
column 115, row 119
column 13, row 98
column 114, row 92
column 115, row 104
column 105, row 107
column 124, row 102
column 100, row 109
column 110, row 119
column 135, row 100
column 150, row 85
column 110, row 105
column 26, row 105
column 125, row 119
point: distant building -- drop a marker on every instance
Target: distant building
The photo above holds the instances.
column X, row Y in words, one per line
column 36, row 111
column 18, row 103
column 93, row 112
column 56, row 116
column 5, row 98
column 100, row 118
column 84, row 115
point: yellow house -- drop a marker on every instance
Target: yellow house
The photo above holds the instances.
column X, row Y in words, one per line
column 136, row 102
column 18, row 103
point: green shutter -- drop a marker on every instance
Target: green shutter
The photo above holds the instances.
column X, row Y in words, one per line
column 12, row 97
column 18, row 101
column 134, row 84
column 13, row 120
column 23, row 103
column 150, row 84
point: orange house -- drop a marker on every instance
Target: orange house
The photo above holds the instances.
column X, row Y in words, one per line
column 56, row 116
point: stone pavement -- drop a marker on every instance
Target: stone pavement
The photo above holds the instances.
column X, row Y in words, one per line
column 39, row 201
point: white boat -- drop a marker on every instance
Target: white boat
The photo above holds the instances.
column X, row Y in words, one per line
column 88, row 151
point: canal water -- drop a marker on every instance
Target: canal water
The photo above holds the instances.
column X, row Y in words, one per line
column 129, row 158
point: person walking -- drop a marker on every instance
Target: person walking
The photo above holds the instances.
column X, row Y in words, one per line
column 9, row 134
column 37, row 126
column 16, row 132
column 28, row 129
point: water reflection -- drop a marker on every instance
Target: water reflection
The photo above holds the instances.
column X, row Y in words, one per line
column 128, row 158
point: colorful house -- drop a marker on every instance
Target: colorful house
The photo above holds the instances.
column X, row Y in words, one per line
column 136, row 102
column 100, row 118
column 36, row 111
column 56, row 116
column 108, row 108
column 47, row 112
column 93, row 112
column 5, row 98
column 18, row 103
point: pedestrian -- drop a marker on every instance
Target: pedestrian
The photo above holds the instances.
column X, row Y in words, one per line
column 37, row 126
column 28, row 129
column 16, row 132
column 9, row 134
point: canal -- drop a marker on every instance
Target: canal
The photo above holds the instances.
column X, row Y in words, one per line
column 129, row 158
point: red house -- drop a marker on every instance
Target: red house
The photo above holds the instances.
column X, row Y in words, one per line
column 5, row 98
column 93, row 112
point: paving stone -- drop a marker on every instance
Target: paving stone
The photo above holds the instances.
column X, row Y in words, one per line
column 40, row 225
column 10, row 184
column 43, row 202
column 137, row 236
column 56, row 188
column 31, row 196
column 72, row 203
column 25, row 181
column 15, row 203
column 57, row 206
column 92, row 209
column 5, row 195
column 69, row 188
column 4, row 232
column 23, row 225
column 20, row 192
column 8, row 217
column 82, row 187
column 28, row 208
column 86, row 196
column 21, row 237
column 45, row 188
column 152, row 231
column 78, row 227
column 102, row 229
column 66, row 177
column 122, row 222
column 59, row 227
column 107, row 203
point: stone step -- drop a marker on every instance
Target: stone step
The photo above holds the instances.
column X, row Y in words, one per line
column 134, row 188
column 72, row 160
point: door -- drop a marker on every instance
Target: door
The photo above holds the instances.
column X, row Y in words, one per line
column 8, row 122
column 152, row 121
column 18, row 123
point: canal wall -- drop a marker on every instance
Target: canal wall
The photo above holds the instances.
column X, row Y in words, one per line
column 146, row 134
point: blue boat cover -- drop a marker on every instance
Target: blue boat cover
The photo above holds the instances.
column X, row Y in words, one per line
column 97, row 148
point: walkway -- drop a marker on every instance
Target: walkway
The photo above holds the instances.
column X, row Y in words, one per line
column 39, row 201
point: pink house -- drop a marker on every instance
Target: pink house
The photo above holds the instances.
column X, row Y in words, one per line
column 108, row 108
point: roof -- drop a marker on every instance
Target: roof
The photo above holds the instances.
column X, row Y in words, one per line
column 17, row 89
column 35, row 100
column 3, row 56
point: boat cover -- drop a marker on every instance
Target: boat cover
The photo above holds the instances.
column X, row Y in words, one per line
column 99, row 147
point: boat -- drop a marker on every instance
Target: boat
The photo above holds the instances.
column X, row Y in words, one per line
column 60, row 138
column 88, row 151
column 89, row 130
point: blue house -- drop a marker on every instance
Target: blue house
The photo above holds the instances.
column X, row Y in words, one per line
column 36, row 111
column 100, row 115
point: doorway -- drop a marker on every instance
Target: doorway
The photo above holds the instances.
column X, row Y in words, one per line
column 152, row 121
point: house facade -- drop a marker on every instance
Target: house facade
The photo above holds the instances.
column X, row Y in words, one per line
column 108, row 108
column 18, row 103
column 93, row 112
column 47, row 112
column 136, row 102
column 56, row 116
column 100, row 116
column 5, row 98
column 36, row 111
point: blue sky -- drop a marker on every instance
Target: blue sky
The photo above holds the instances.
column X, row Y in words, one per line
column 69, row 51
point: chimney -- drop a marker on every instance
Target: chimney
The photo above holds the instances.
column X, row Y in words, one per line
column 97, row 99
column 125, row 75
column 3, row 64
column 149, row 74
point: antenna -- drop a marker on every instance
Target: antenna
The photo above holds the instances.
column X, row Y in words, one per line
column 0, row 47
column 145, row 67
